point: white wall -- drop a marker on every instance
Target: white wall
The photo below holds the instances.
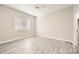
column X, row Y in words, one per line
column 56, row 25
column 7, row 30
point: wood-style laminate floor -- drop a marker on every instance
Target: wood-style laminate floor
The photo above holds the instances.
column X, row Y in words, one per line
column 37, row 45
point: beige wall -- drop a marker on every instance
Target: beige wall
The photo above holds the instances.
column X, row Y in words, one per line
column 7, row 31
column 56, row 25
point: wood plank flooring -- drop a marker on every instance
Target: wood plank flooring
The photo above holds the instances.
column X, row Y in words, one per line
column 37, row 45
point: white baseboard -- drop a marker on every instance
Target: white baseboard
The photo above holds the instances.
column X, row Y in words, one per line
column 41, row 35
column 30, row 35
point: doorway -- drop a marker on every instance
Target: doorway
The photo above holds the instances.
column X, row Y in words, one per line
column 77, row 47
column 78, row 32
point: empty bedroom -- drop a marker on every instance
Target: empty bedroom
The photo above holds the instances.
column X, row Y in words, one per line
column 39, row 28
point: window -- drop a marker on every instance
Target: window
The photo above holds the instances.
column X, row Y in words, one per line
column 20, row 24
